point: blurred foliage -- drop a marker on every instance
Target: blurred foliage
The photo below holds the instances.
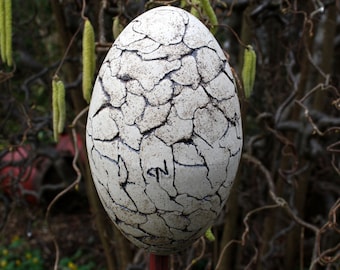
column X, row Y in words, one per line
column 19, row 255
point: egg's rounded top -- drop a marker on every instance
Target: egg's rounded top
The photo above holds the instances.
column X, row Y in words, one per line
column 164, row 133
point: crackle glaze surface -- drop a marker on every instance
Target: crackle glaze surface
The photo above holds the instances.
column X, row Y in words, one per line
column 164, row 133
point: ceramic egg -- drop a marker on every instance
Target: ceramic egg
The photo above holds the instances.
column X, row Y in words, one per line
column 164, row 132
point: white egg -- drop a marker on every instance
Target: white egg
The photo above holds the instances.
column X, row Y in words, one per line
column 164, row 134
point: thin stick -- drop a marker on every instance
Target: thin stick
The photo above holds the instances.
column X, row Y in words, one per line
column 67, row 189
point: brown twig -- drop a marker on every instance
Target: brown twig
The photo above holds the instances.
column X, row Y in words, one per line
column 200, row 256
column 83, row 10
column 235, row 34
column 68, row 188
column 318, row 256
column 66, row 51
column 101, row 23
column 218, row 265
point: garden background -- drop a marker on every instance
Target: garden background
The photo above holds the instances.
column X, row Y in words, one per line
column 284, row 207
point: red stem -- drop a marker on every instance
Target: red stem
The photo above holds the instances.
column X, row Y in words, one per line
column 158, row 262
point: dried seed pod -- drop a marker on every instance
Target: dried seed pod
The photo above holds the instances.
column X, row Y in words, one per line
column 58, row 107
column 88, row 59
column 55, row 109
column 61, row 105
column 209, row 11
column 209, row 235
column 249, row 70
column 2, row 31
column 8, row 32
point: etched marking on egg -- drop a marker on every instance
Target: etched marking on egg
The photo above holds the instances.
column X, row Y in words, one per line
column 164, row 133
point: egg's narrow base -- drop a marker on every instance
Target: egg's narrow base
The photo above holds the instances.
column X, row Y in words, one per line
column 158, row 262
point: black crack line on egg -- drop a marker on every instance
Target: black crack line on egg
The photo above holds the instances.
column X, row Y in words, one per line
column 114, row 202
column 106, row 94
column 141, row 33
column 198, row 151
column 140, row 56
column 235, row 153
column 197, row 211
column 124, row 77
column 160, row 45
column 147, row 36
column 146, row 195
column 107, row 140
column 127, row 77
column 209, row 180
column 123, row 187
column 215, row 76
column 232, row 79
column 130, row 46
column 93, row 149
column 118, row 138
column 108, row 158
column 191, row 85
column 89, row 134
column 193, row 52
column 165, row 76
column 197, row 135
column 178, row 141
column 108, row 100
column 121, row 159
column 131, row 105
column 163, row 219
column 190, row 165
column 168, row 56
column 214, row 42
column 102, row 107
column 135, row 21
column 227, row 128
column 113, row 47
column 106, row 188
column 233, row 121
column 136, row 150
column 208, row 198
column 185, row 32
column 171, row 99
column 231, row 156
column 203, row 157
column 169, row 45
column 193, row 166
column 149, row 233
column 136, row 226
column 197, row 48
column 151, row 130
column 215, row 101
column 222, row 184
